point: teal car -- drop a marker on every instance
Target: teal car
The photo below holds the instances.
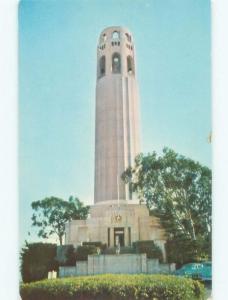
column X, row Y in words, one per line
column 201, row 271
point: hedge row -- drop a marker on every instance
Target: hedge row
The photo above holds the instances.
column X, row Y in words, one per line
column 148, row 247
column 36, row 260
column 114, row 287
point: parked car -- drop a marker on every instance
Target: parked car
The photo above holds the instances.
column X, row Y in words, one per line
column 201, row 271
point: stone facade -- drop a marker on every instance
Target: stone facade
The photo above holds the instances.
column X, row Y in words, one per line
column 116, row 218
column 129, row 221
column 117, row 264
column 117, row 113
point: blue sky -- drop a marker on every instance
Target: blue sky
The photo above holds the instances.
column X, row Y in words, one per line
column 57, row 77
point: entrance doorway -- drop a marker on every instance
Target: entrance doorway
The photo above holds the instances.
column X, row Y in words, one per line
column 119, row 236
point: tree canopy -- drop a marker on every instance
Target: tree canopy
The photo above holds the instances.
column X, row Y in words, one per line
column 51, row 215
column 177, row 190
column 78, row 211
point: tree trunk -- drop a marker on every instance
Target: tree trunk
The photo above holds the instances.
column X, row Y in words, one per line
column 193, row 227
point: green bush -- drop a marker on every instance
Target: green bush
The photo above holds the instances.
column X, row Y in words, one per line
column 66, row 255
column 123, row 250
column 100, row 245
column 181, row 250
column 148, row 247
column 127, row 250
column 70, row 256
column 82, row 252
column 36, row 260
column 114, row 287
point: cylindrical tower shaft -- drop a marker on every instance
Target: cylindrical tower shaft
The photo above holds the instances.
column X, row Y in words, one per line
column 117, row 114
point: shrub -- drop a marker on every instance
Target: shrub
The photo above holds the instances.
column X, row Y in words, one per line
column 127, row 250
column 123, row 250
column 82, row 252
column 114, row 287
column 66, row 255
column 181, row 250
column 148, row 247
column 110, row 250
column 70, row 256
column 100, row 245
column 36, row 260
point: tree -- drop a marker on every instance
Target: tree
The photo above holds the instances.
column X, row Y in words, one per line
column 77, row 209
column 148, row 247
column 66, row 255
column 82, row 252
column 37, row 259
column 51, row 214
column 177, row 190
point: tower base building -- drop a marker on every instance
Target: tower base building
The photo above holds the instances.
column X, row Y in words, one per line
column 116, row 218
column 113, row 224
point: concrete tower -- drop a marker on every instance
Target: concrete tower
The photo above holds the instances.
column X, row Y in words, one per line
column 115, row 218
column 117, row 113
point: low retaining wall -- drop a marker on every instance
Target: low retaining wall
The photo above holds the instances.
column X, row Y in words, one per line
column 67, row 271
column 82, row 268
column 116, row 264
column 153, row 266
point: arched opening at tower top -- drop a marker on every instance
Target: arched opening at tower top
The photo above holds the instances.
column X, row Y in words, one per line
column 116, row 63
column 130, row 65
column 115, row 35
column 102, row 66
column 104, row 37
column 128, row 37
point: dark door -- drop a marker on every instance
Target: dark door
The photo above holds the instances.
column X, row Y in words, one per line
column 119, row 236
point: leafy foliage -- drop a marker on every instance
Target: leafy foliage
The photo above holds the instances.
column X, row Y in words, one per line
column 100, row 245
column 70, row 256
column 185, row 251
column 123, row 250
column 114, row 287
column 82, row 252
column 77, row 209
column 51, row 215
column 148, row 247
column 177, row 190
column 37, row 259
column 66, row 255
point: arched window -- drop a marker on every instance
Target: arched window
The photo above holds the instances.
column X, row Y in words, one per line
column 102, row 66
column 115, row 35
column 116, row 63
column 128, row 37
column 104, row 37
column 130, row 65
